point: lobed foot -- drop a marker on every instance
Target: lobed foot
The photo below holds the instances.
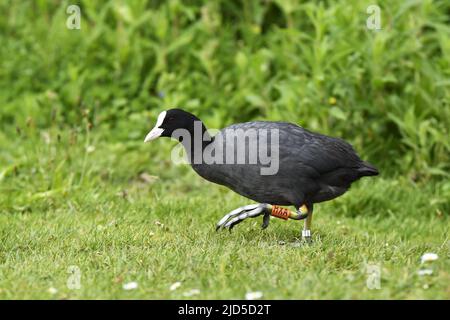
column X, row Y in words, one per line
column 240, row 214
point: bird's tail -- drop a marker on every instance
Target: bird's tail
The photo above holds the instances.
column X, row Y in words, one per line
column 367, row 169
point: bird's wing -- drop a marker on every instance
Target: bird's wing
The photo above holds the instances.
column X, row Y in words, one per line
column 298, row 146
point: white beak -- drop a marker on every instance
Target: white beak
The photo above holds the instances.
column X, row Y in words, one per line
column 156, row 131
column 152, row 135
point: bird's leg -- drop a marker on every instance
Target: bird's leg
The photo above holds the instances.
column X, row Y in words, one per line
column 306, row 232
column 254, row 210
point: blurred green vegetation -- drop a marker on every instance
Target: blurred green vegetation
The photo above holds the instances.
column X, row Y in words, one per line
column 313, row 63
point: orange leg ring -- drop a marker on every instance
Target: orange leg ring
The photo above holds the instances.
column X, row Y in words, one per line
column 286, row 214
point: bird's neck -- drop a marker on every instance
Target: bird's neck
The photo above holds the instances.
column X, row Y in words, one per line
column 195, row 141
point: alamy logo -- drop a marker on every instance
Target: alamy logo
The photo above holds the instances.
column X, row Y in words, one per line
column 74, row 20
column 373, row 272
column 373, row 22
column 229, row 146
column 74, row 280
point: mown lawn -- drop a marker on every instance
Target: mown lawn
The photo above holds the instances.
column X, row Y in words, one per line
column 121, row 213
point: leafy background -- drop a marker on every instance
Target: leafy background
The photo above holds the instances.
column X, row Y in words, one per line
column 76, row 104
column 230, row 61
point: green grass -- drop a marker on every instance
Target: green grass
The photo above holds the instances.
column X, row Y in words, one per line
column 75, row 106
column 63, row 206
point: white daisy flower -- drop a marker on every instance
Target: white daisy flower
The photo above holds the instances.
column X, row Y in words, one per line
column 191, row 292
column 130, row 286
column 253, row 295
column 427, row 257
column 175, row 286
column 52, row 290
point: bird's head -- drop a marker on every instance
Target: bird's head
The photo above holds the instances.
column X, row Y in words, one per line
column 169, row 121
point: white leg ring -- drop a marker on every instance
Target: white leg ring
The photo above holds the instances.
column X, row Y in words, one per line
column 306, row 233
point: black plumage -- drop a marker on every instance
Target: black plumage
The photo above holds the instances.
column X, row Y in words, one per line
column 312, row 167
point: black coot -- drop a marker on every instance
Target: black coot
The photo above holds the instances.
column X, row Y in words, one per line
column 273, row 163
